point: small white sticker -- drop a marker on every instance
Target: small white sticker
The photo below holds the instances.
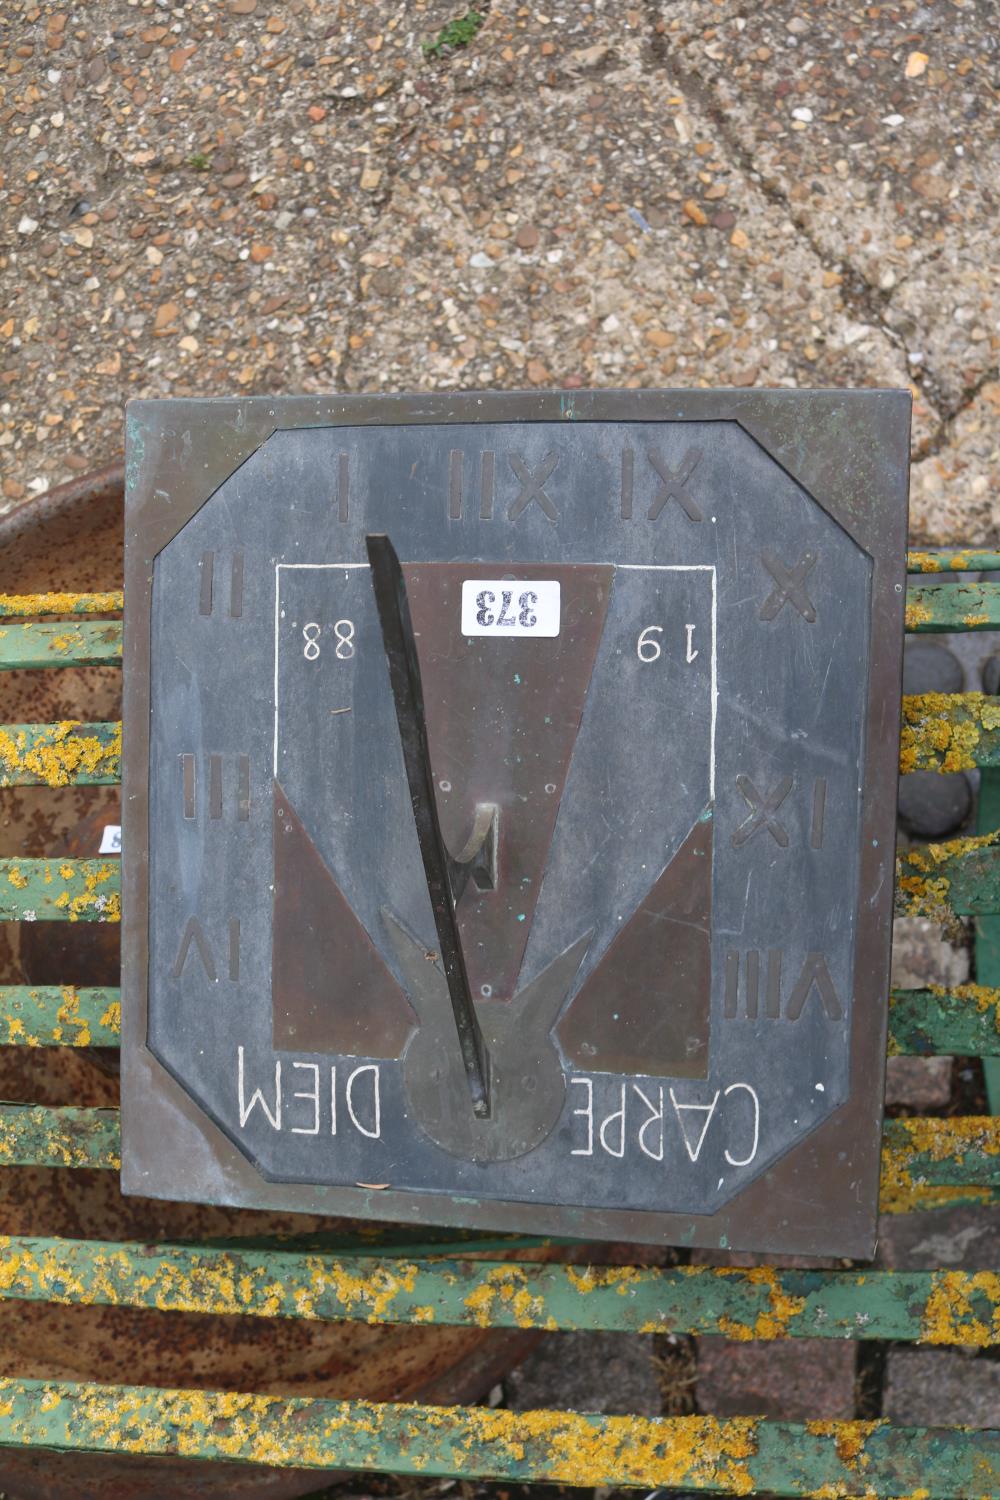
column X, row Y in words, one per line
column 506, row 607
column 111, row 839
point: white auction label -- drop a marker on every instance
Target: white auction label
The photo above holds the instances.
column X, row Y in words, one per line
column 505, row 606
column 111, row 839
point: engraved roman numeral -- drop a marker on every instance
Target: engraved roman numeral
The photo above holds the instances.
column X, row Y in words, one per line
column 194, row 936
column 673, row 485
column 789, row 586
column 764, row 807
column 532, row 486
column 343, row 488
column 216, row 777
column 456, row 489
column 670, row 484
column 814, row 981
column 207, row 590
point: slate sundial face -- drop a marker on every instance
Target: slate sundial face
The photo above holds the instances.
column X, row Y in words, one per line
column 503, row 849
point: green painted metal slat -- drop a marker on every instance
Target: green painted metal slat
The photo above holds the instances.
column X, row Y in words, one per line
column 933, row 1022
column 65, row 754
column 60, row 890
column 953, row 560
column 952, row 606
column 38, row 1135
column 109, row 603
column 90, row 643
column 738, row 1454
column 963, row 1022
column 938, row 1307
column 59, row 1016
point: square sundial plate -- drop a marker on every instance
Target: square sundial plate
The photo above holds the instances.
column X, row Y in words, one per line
column 643, row 712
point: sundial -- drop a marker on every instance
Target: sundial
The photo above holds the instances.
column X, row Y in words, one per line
column 510, row 788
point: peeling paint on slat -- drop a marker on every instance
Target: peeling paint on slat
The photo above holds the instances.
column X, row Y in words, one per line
column 936, row 1022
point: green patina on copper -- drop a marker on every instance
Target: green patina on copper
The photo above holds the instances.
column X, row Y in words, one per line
column 736, row 1455
column 64, row 754
column 953, row 606
column 954, row 1307
column 109, row 603
column 60, row 890
column 935, row 1022
column 90, row 643
column 37, row 1135
column 949, row 732
column 59, row 1016
column 953, row 560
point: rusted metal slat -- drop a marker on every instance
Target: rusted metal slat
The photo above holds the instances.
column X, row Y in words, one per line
column 937, row 1307
column 740, row 1454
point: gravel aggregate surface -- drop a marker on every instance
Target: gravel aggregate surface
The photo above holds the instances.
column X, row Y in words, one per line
column 247, row 196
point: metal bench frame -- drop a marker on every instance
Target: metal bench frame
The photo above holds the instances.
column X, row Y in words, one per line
column 926, row 1164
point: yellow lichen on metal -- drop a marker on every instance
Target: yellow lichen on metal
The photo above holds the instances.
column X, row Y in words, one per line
column 108, row 603
column 563, row 1447
column 950, row 1316
column 917, row 613
column 17, row 878
column 112, row 1017
column 938, row 1140
column 505, row 1285
column 59, row 757
column 849, row 1440
column 376, row 1291
column 782, row 1308
column 943, row 731
column 923, row 562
